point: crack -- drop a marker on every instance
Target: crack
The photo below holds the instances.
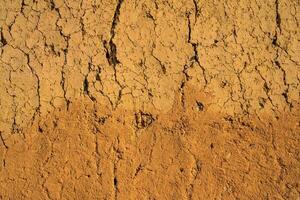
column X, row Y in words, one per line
column 115, row 170
column 86, row 84
column 200, row 106
column 234, row 34
column 62, row 82
column 244, row 105
column 195, row 173
column 162, row 66
column 3, row 141
column 276, row 60
column 278, row 18
column 65, row 52
column 266, row 87
column 111, row 48
column 22, row 7
column 82, row 26
column 111, row 53
column 52, row 5
column 286, row 91
column 14, row 126
column 3, row 41
column 197, row 10
column 138, row 170
column 146, row 78
column 38, row 109
column 278, row 25
column 98, row 78
column 116, row 184
column 149, row 15
column 46, row 190
column 97, row 156
column 282, row 169
column 152, row 148
column 195, row 57
column 47, row 160
column 185, row 79
column 34, row 73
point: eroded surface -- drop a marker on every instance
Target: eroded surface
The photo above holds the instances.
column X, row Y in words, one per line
column 140, row 92
column 92, row 153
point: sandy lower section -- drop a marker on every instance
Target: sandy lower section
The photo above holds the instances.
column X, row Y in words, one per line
column 90, row 152
column 149, row 99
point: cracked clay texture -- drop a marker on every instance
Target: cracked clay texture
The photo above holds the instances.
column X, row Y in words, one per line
column 149, row 99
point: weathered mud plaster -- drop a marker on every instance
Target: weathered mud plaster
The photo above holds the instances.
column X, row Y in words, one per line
column 137, row 55
column 120, row 83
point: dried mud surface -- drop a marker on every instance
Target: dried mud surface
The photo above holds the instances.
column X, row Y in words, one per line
column 151, row 99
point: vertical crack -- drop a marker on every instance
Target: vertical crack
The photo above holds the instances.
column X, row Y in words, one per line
column 278, row 23
column 186, row 78
column 62, row 82
column 86, row 84
column 15, row 128
column 115, row 183
column 38, row 109
column 195, row 57
column 111, row 48
column 286, row 90
column 14, row 125
column 115, row 170
column 97, row 156
column 197, row 10
column 266, row 88
column 22, row 7
column 244, row 105
column 2, row 39
column 278, row 18
column 3, row 141
column 276, row 61
column 162, row 66
column 52, row 5
column 195, row 173
column 5, row 151
column 65, row 51
column 37, row 78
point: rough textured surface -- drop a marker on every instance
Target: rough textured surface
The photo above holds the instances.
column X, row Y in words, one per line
column 164, row 99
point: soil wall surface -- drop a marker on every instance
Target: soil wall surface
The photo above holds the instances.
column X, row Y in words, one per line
column 149, row 99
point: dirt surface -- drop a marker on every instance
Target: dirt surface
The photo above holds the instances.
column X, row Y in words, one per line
column 151, row 99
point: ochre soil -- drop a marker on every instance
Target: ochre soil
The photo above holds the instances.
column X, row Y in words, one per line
column 149, row 99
